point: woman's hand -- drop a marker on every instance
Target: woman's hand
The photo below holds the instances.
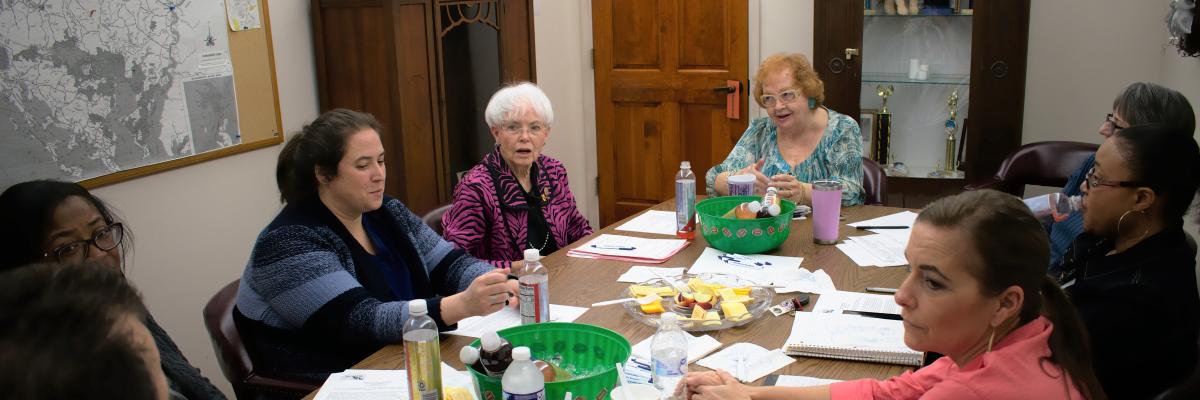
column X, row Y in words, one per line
column 718, row 385
column 487, row 293
column 760, row 180
column 791, row 188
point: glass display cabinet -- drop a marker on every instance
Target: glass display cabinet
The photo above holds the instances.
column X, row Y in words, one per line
column 937, row 86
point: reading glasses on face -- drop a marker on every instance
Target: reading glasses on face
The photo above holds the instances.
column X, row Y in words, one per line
column 105, row 239
column 516, row 129
column 786, row 96
column 1094, row 181
column 1112, row 123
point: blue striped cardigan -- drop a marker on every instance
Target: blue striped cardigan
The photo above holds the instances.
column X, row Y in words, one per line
column 312, row 301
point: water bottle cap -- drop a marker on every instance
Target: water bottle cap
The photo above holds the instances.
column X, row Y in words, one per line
column 520, row 353
column 418, row 307
column 490, row 341
column 685, row 165
column 468, row 355
column 532, row 255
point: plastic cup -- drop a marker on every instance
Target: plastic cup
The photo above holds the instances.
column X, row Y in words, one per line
column 827, row 206
column 741, row 185
column 636, row 391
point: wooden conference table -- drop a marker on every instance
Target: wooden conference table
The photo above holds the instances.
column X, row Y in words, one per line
column 581, row 282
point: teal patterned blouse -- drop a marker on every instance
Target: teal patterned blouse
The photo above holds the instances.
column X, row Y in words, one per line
column 837, row 156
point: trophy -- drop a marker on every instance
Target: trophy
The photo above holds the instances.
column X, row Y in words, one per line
column 950, row 167
column 882, row 134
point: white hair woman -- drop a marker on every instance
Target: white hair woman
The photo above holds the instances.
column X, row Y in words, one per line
column 516, row 198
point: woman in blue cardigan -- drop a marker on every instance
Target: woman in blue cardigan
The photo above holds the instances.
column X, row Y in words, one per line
column 329, row 279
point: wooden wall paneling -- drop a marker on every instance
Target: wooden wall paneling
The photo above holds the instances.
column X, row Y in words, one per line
column 516, row 41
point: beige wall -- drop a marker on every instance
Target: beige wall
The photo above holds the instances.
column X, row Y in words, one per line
column 195, row 226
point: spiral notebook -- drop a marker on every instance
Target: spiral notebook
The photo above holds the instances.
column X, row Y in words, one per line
column 850, row 337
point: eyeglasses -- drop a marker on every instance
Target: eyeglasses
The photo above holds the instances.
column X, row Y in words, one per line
column 1112, row 122
column 1093, row 181
column 786, row 96
column 105, row 239
column 515, row 129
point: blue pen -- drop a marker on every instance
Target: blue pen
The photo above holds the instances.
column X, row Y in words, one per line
column 613, row 247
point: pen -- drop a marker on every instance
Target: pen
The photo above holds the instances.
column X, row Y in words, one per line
column 874, row 314
column 613, row 247
column 881, row 290
column 882, row 227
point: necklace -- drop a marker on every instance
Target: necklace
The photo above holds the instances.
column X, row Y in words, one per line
column 545, row 240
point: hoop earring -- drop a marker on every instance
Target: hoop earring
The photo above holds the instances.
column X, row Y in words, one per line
column 991, row 339
column 1122, row 219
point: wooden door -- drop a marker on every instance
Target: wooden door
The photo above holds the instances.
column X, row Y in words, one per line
column 656, row 65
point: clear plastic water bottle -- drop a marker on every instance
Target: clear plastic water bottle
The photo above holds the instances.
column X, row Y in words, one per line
column 522, row 380
column 685, row 202
column 534, row 293
column 1054, row 207
column 422, row 353
column 668, row 354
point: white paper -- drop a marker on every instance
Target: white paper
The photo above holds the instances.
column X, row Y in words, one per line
column 365, row 384
column 838, row 301
column 651, row 221
column 508, row 318
column 880, row 250
column 747, row 362
column 698, row 347
column 243, row 14
column 811, row 282
column 629, row 248
column 641, row 273
column 757, row 268
column 383, row 384
column 802, row 381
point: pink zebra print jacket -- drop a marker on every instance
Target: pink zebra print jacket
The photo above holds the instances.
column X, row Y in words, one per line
column 489, row 215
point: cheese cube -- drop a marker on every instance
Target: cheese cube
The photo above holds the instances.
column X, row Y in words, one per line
column 734, row 311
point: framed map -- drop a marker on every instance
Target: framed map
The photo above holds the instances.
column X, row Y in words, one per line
column 101, row 90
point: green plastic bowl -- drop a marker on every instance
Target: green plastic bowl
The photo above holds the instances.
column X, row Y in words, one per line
column 742, row 236
column 583, row 347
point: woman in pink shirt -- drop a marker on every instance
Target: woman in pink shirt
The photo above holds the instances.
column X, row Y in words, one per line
column 1007, row 330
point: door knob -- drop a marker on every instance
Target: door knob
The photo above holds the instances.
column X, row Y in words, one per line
column 850, row 53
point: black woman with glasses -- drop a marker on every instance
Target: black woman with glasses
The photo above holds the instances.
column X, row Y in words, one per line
column 47, row 221
column 1139, row 103
column 1131, row 273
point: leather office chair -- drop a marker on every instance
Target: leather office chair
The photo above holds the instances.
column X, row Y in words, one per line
column 235, row 361
column 874, row 183
column 1039, row 163
column 434, row 218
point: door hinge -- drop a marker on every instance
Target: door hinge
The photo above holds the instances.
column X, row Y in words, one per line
column 597, row 184
column 593, row 60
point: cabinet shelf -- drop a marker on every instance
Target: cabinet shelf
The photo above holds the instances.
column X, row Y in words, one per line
column 924, row 13
column 934, row 79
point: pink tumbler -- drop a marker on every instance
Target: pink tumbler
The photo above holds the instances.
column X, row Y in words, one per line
column 827, row 206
